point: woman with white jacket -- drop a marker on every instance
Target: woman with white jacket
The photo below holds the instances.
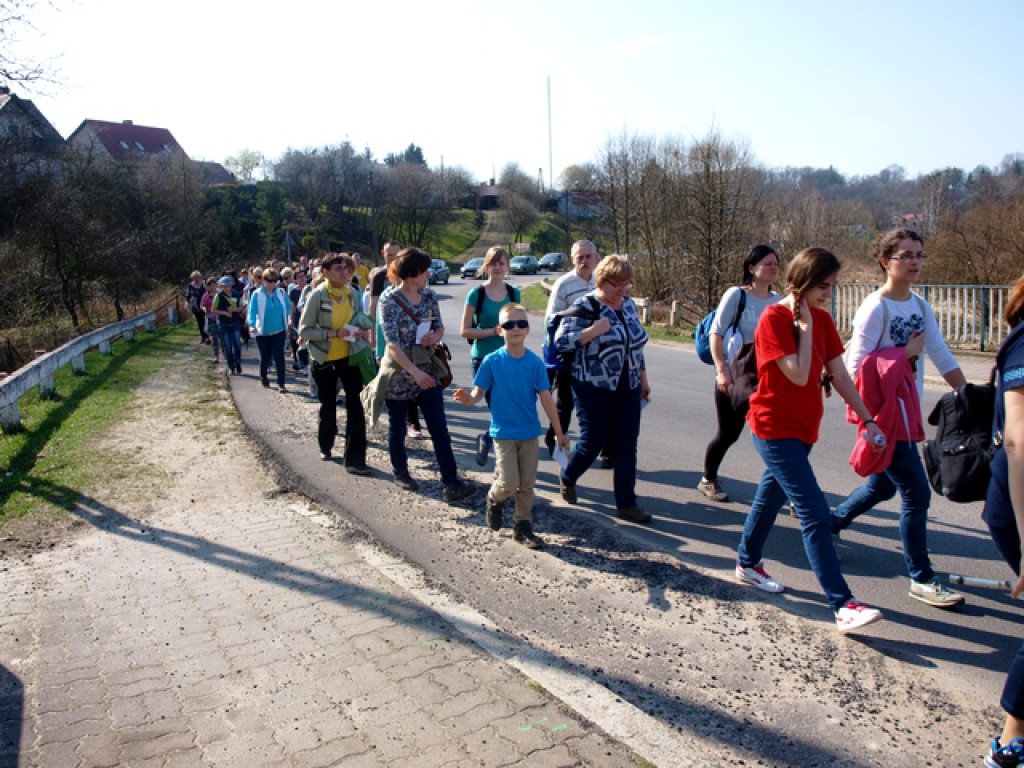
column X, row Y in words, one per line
column 895, row 316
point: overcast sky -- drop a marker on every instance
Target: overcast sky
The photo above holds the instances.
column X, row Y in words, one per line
column 855, row 85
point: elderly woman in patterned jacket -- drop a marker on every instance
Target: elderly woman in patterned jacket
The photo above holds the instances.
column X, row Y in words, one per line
column 609, row 381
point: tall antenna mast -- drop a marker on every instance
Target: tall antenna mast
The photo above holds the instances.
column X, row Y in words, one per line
column 551, row 164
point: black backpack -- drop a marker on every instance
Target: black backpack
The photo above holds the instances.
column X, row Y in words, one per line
column 481, row 294
column 562, row 361
column 958, row 458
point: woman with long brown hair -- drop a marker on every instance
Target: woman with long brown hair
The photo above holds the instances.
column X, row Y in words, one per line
column 796, row 341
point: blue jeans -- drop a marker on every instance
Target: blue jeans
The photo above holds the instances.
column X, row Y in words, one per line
column 906, row 475
column 231, row 340
column 599, row 412
column 474, row 365
column 431, row 403
column 272, row 347
column 1007, row 541
column 788, row 474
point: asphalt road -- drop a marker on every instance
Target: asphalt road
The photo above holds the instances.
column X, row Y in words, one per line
column 653, row 613
column 971, row 647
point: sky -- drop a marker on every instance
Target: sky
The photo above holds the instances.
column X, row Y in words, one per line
column 858, row 86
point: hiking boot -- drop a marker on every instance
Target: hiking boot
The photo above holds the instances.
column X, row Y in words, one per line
column 758, row 577
column 1006, row 756
column 567, row 489
column 483, row 448
column 404, row 480
column 854, row 615
column 935, row 593
column 634, row 514
column 523, row 533
column 456, row 491
column 495, row 512
column 712, row 490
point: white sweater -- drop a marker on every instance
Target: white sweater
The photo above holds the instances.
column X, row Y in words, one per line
column 904, row 317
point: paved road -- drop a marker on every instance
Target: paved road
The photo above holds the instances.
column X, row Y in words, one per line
column 611, row 599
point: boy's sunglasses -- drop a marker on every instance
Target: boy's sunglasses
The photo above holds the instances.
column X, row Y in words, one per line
column 508, row 325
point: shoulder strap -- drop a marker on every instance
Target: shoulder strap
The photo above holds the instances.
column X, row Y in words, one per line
column 511, row 292
column 885, row 321
column 481, row 294
column 739, row 310
column 408, row 310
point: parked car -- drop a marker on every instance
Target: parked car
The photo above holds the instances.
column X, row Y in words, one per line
column 471, row 268
column 553, row 262
column 438, row 272
column 523, row 265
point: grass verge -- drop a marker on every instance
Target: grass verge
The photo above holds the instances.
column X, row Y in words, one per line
column 46, row 465
column 456, row 235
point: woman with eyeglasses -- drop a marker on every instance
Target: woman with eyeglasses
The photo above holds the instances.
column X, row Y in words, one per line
column 609, row 381
column 894, row 325
column 480, row 323
column 268, row 322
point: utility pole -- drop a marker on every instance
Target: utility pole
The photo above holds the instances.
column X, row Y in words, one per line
column 551, row 162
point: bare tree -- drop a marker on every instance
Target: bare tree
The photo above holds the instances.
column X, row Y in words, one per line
column 244, row 164
column 14, row 20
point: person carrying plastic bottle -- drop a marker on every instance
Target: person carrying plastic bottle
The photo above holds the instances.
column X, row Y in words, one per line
column 796, row 341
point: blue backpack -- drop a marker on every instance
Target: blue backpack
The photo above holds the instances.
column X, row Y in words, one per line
column 702, row 333
column 562, row 361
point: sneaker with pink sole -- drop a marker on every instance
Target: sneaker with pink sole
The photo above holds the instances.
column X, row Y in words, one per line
column 758, row 577
column 854, row 615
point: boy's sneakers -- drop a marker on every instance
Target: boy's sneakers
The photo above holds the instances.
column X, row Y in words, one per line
column 854, row 615
column 523, row 533
column 1008, row 756
column 935, row 593
column 758, row 577
column 712, row 490
column 495, row 510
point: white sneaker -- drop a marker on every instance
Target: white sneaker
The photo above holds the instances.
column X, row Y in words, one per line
column 854, row 615
column 935, row 593
column 758, row 577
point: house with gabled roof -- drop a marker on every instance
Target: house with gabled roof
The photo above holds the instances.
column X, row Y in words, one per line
column 215, row 174
column 124, row 141
column 28, row 142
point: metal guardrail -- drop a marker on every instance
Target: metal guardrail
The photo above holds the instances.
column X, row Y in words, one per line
column 969, row 316
column 40, row 372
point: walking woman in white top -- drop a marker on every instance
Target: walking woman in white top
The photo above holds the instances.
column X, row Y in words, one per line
column 895, row 316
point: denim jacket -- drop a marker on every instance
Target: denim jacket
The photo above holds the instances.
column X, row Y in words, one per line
column 601, row 362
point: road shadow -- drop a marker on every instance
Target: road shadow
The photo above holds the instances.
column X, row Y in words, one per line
column 12, row 707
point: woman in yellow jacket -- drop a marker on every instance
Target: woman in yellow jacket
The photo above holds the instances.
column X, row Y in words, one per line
column 330, row 307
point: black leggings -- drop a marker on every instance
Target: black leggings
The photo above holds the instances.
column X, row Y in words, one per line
column 730, row 426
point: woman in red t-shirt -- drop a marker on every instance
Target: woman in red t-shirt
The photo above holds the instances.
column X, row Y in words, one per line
column 795, row 342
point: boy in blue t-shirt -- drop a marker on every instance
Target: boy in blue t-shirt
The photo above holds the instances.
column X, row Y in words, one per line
column 515, row 377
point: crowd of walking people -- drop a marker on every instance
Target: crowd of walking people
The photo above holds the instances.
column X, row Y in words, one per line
column 378, row 337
